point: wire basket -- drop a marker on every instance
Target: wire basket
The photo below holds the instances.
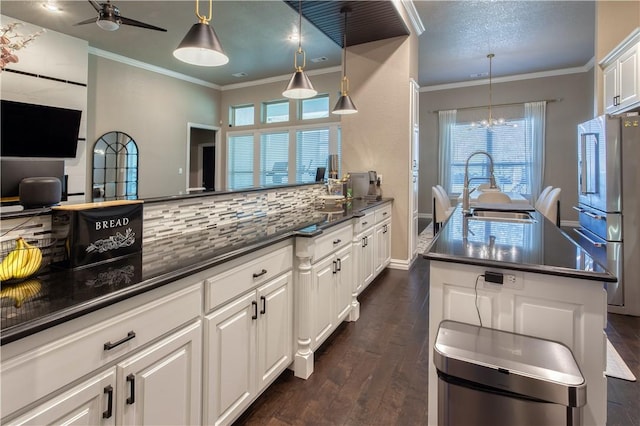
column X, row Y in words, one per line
column 23, row 258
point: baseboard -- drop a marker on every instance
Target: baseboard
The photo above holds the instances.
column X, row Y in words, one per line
column 403, row 265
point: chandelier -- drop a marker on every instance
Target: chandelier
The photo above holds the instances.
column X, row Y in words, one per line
column 11, row 42
column 491, row 122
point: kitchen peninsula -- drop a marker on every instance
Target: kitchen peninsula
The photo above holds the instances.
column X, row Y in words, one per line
column 192, row 329
column 552, row 289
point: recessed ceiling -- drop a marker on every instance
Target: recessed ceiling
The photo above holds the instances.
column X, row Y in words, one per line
column 526, row 36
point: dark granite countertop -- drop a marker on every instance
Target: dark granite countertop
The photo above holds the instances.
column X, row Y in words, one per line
column 68, row 294
column 539, row 247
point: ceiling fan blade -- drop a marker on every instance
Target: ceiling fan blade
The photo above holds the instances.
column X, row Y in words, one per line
column 133, row 22
column 86, row 21
column 95, row 5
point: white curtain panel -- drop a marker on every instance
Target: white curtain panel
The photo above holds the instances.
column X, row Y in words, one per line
column 534, row 114
column 446, row 121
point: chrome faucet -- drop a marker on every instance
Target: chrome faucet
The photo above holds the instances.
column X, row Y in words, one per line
column 465, row 190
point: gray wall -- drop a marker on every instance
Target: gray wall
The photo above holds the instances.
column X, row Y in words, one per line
column 574, row 104
column 154, row 110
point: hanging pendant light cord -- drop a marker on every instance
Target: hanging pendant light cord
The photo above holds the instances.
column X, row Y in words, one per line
column 490, row 56
column 204, row 19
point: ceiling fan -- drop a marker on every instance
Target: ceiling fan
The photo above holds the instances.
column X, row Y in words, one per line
column 109, row 18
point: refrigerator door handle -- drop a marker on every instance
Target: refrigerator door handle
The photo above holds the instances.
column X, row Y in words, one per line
column 592, row 215
column 583, row 235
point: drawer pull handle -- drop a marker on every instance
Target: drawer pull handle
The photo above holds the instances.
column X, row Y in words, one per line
column 335, row 267
column 583, row 235
column 108, row 346
column 593, row 215
column 364, row 223
column 254, row 305
column 338, row 241
column 109, row 391
column 578, row 209
column 385, row 213
column 264, row 305
column 259, row 274
column 339, row 265
column 131, row 378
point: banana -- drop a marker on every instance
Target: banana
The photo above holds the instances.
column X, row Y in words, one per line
column 14, row 261
column 34, row 255
column 21, row 292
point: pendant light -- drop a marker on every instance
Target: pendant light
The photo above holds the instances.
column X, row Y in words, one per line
column 299, row 86
column 201, row 45
column 491, row 122
column 344, row 105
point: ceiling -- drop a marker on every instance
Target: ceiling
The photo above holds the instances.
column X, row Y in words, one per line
column 526, row 36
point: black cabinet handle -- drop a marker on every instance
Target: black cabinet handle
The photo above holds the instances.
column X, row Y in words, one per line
column 364, row 241
column 339, row 265
column 254, row 305
column 131, row 378
column 364, row 223
column 109, row 391
column 338, row 241
column 259, row 274
column 385, row 213
column 108, row 346
column 335, row 267
column 264, row 305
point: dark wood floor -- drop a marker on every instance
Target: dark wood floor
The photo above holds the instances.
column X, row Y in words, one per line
column 374, row 371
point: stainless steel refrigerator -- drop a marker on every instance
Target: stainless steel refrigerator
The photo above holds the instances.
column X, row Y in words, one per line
column 608, row 206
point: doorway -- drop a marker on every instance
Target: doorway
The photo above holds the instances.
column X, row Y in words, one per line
column 202, row 157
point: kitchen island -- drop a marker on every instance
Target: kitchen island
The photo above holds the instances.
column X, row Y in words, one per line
column 552, row 289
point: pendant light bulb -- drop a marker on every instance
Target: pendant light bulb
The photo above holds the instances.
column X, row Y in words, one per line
column 201, row 45
column 299, row 86
column 344, row 105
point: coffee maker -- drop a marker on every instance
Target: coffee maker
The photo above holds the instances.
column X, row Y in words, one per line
column 365, row 185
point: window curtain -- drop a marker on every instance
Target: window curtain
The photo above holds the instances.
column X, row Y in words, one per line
column 446, row 122
column 534, row 116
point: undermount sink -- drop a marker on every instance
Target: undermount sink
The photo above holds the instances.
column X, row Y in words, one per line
column 502, row 216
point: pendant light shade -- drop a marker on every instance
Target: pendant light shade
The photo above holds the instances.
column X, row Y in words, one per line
column 201, row 45
column 344, row 105
column 299, row 86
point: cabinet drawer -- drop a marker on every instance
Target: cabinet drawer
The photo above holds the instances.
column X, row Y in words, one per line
column 34, row 374
column 383, row 213
column 364, row 222
column 249, row 274
column 328, row 243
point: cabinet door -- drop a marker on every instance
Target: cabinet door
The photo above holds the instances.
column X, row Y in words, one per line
column 383, row 246
column 367, row 266
column 344, row 282
column 230, row 359
column 610, row 88
column 629, row 70
column 161, row 385
column 90, row 403
column 275, row 328
column 322, row 291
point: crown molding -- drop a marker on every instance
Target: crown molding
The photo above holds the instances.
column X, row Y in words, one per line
column 412, row 13
column 565, row 71
column 148, row 67
column 278, row 78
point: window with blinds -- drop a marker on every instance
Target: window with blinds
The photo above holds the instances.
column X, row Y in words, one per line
column 274, row 158
column 506, row 144
column 240, row 162
column 312, row 151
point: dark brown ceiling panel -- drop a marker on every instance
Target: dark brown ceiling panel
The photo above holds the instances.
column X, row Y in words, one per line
column 368, row 20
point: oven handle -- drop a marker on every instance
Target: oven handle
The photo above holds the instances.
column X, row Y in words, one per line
column 583, row 235
column 593, row 215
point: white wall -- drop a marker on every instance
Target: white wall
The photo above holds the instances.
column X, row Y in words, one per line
column 62, row 57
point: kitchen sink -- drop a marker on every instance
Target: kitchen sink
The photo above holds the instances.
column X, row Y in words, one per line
column 502, row 216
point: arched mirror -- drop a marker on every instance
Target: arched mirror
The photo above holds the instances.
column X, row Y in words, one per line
column 115, row 167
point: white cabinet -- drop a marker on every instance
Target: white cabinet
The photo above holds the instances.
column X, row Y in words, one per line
column 159, row 385
column 382, row 246
column 33, row 370
column 366, row 245
column 249, row 337
column 85, row 404
column 621, row 74
column 325, row 282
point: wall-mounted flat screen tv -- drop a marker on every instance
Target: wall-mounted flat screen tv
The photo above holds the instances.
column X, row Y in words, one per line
column 30, row 130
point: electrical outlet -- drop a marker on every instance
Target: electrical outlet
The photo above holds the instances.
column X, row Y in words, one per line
column 510, row 279
column 515, row 282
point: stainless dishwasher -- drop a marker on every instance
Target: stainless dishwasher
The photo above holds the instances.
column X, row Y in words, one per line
column 493, row 377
